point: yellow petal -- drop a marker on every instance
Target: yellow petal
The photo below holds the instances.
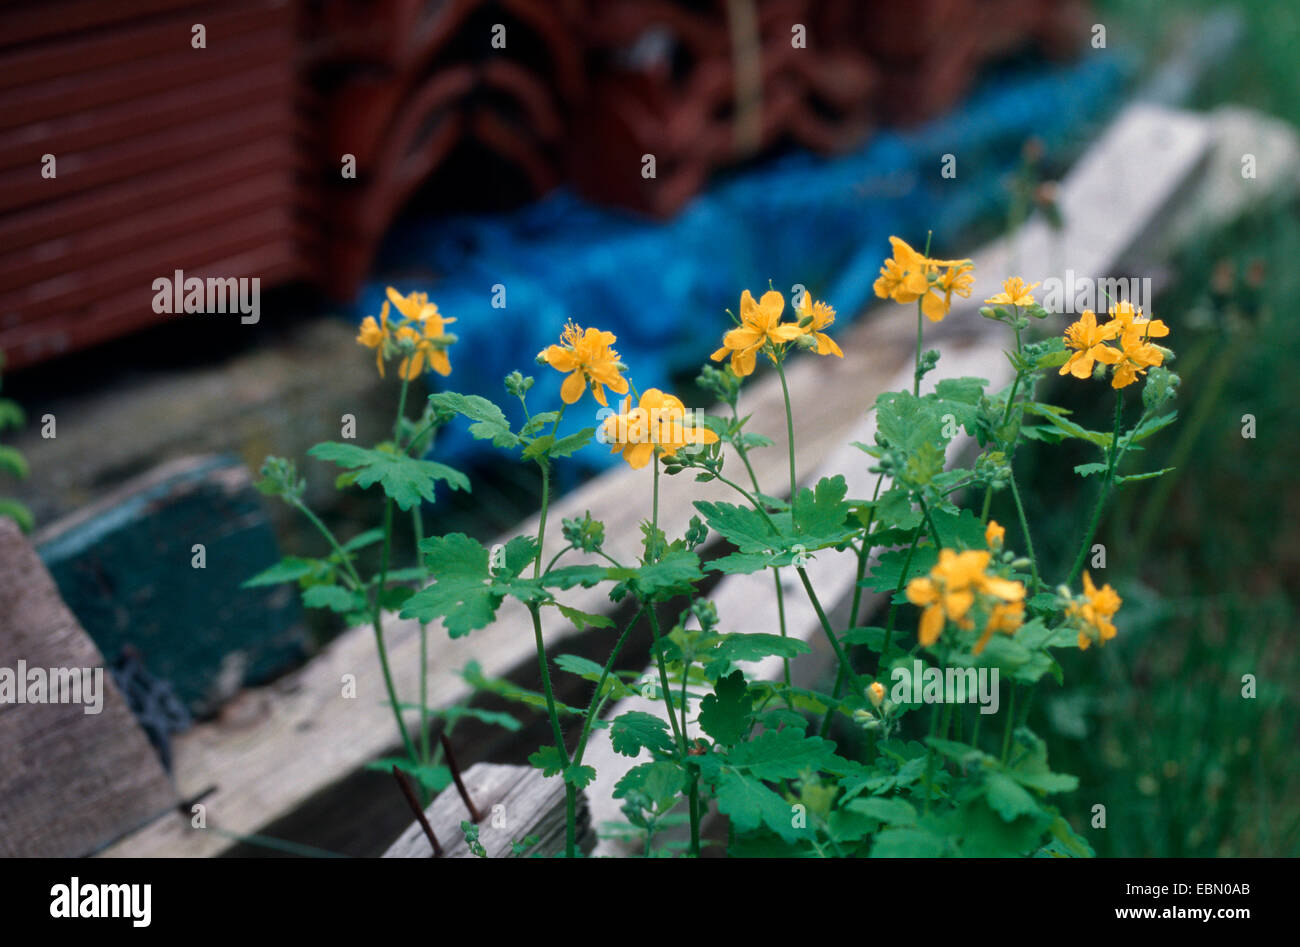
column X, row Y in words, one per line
column 572, row 388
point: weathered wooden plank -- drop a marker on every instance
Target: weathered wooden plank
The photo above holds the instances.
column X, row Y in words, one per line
column 514, row 802
column 70, row 781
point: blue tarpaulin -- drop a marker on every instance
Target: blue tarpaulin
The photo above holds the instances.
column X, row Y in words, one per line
column 663, row 287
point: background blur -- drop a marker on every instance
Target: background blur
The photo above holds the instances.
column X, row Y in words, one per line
column 635, row 163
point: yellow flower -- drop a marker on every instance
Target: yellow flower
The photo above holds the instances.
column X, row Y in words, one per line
column 415, row 307
column 1014, row 293
column 760, row 323
column 903, row 277
column 658, row 421
column 906, row 277
column 1005, row 617
column 1129, row 318
column 950, row 590
column 957, row 278
column 1095, row 612
column 1089, row 342
column 876, row 694
column 1136, row 355
column 586, row 355
column 994, row 534
column 429, row 348
column 374, row 334
column 815, row 317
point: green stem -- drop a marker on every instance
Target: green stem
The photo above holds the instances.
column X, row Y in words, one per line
column 1112, row 462
column 864, row 555
column 789, row 430
column 1024, row 528
column 916, row 372
column 417, row 527
column 893, row 605
column 838, row 648
column 1011, row 716
column 590, row 718
column 776, row 571
column 378, row 625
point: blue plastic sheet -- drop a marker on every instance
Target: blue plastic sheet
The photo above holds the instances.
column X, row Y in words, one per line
column 663, row 287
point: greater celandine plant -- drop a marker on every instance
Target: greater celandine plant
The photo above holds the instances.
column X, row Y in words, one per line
column 758, row 749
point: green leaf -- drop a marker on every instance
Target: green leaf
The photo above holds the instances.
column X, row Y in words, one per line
column 894, row 508
column 548, row 759
column 567, row 577
column 891, row 811
column 464, row 594
column 885, row 577
column 18, row 513
column 756, row 646
column 1007, row 798
column 433, row 778
column 1088, row 470
column 781, row 754
column 548, row 446
column 11, row 414
column 658, row 783
column 1031, row 768
column 489, row 421
column 334, row 597
column 724, row 714
column 362, row 540
column 1056, row 416
column 821, row 513
column 1145, row 430
column 583, row 620
column 961, row 530
column 403, row 478
column 288, row 569
column 750, row 804
column 13, row 462
column 873, row 638
column 909, row 843
column 672, row 575
column 580, row 777
column 1149, row 475
column 637, row 730
column 742, row 526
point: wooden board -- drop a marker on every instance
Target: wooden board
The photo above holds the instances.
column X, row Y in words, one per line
column 514, row 802
column 70, row 782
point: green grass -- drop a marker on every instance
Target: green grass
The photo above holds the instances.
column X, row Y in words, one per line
column 1155, row 725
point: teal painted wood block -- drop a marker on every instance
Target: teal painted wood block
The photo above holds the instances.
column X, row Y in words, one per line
column 131, row 569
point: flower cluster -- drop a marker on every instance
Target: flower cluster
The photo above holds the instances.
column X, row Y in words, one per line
column 761, row 328
column 960, row 585
column 1091, row 613
column 908, row 276
column 1131, row 355
column 420, row 337
column 658, row 421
